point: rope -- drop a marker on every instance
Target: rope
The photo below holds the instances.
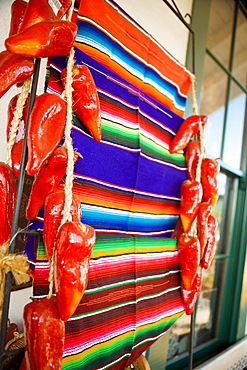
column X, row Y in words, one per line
column 21, row 100
column 14, row 263
column 51, row 277
column 16, row 336
column 70, row 151
column 195, row 111
column 68, row 141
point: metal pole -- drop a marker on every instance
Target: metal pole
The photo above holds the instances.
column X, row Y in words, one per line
column 14, row 230
column 191, row 340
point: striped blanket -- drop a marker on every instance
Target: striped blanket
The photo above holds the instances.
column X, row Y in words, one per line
column 129, row 190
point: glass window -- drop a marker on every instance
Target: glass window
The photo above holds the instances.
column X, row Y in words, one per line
column 220, row 29
column 240, row 54
column 213, row 99
column 207, row 313
column 234, row 127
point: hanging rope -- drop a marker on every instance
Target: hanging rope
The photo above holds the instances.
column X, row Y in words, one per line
column 68, row 141
column 21, row 100
column 195, row 111
column 70, row 164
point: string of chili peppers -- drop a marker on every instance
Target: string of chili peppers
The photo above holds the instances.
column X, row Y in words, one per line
column 196, row 225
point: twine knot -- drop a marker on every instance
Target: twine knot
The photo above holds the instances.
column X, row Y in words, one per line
column 14, row 263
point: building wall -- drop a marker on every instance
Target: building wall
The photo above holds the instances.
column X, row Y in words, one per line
column 156, row 18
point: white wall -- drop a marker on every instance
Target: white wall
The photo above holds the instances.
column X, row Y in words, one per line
column 156, row 18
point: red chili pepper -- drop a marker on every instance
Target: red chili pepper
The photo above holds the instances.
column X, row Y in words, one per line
column 178, row 230
column 188, row 258
column 73, row 248
column 54, row 205
column 85, row 99
column 11, row 329
column 211, row 244
column 44, row 335
column 188, row 128
column 209, row 171
column 16, row 152
column 43, row 39
column 47, row 181
column 37, row 11
column 13, row 69
column 190, row 296
column 192, row 156
column 46, row 128
column 7, row 199
column 18, row 9
column 191, row 193
column 65, row 5
column 204, row 212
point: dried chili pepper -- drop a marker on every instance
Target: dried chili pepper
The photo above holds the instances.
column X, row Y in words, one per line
column 13, row 69
column 188, row 258
column 44, row 334
column 64, row 8
column 43, row 39
column 191, row 193
column 46, row 128
column 178, row 230
column 54, row 205
column 73, row 248
column 204, row 212
column 16, row 151
column 192, row 156
column 211, row 244
column 190, row 296
column 37, row 11
column 18, row 9
column 47, row 180
column 189, row 127
column 209, row 171
column 7, row 199
column 85, row 99
column 11, row 329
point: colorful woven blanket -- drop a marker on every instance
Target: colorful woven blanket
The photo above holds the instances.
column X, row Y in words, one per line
column 129, row 190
